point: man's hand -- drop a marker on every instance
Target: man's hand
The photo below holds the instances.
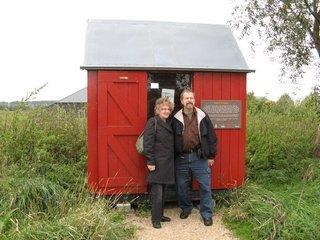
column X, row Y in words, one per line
column 151, row 167
column 210, row 162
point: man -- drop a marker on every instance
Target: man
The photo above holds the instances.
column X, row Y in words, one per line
column 195, row 149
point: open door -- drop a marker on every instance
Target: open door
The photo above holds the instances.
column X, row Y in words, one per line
column 160, row 83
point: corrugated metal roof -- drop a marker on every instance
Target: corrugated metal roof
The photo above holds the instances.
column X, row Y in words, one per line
column 115, row 44
column 77, row 97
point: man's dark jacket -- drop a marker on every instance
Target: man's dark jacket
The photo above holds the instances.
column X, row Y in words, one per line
column 207, row 136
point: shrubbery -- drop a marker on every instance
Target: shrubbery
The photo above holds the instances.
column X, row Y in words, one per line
column 280, row 135
column 287, row 212
column 50, row 135
column 43, row 191
column 280, row 199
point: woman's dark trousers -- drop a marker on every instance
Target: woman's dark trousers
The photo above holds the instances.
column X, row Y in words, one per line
column 157, row 201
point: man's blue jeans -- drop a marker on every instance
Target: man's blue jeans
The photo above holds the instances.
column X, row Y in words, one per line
column 191, row 163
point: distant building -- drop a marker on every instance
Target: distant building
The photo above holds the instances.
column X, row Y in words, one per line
column 77, row 100
column 4, row 105
column 79, row 97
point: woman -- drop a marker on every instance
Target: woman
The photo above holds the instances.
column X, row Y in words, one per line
column 159, row 150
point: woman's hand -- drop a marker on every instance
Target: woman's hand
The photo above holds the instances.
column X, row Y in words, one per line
column 210, row 162
column 151, row 167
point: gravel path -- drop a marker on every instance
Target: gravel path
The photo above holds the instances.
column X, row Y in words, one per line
column 191, row 228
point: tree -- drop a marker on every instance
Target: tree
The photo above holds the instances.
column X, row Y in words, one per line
column 285, row 104
column 285, row 100
column 290, row 27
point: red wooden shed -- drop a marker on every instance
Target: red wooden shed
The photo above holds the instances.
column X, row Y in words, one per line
column 130, row 64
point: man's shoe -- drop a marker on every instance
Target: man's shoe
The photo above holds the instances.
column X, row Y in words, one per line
column 165, row 219
column 184, row 215
column 156, row 224
column 207, row 221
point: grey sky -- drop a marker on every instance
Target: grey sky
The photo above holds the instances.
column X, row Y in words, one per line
column 43, row 41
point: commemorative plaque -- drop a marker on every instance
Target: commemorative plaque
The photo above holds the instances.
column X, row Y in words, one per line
column 223, row 113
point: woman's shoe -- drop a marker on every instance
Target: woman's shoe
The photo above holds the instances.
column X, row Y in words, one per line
column 165, row 219
column 156, row 224
column 184, row 215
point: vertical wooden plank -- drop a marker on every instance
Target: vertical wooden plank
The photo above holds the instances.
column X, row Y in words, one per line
column 207, row 94
column 234, row 135
column 216, row 95
column 207, row 86
column 132, row 96
column 103, row 120
column 225, row 135
column 242, row 134
column 143, row 100
column 143, row 96
column 197, row 83
column 92, row 132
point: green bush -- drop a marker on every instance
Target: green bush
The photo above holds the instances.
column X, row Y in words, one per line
column 279, row 136
column 43, row 190
column 50, row 135
column 31, row 195
column 281, row 197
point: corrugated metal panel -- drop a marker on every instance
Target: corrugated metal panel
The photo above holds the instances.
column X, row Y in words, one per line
column 114, row 44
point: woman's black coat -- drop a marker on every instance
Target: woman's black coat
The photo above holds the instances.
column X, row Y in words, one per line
column 159, row 150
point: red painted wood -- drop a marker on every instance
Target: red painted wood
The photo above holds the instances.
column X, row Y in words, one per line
column 117, row 112
column 234, row 136
column 92, row 114
column 242, row 133
column 228, row 169
column 225, row 136
column 122, row 112
column 216, row 168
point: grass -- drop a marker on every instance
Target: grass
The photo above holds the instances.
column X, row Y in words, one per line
column 40, row 209
column 86, row 221
column 280, row 199
column 289, row 211
column 243, row 230
column 43, row 190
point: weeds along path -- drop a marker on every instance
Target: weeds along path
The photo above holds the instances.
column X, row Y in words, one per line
column 191, row 228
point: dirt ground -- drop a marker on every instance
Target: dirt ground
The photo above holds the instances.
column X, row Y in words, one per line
column 191, row 228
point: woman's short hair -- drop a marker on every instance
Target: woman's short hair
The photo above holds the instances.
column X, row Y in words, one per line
column 163, row 101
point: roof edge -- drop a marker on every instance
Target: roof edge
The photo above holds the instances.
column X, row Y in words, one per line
column 191, row 69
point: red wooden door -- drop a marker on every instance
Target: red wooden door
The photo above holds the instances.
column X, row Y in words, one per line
column 122, row 113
